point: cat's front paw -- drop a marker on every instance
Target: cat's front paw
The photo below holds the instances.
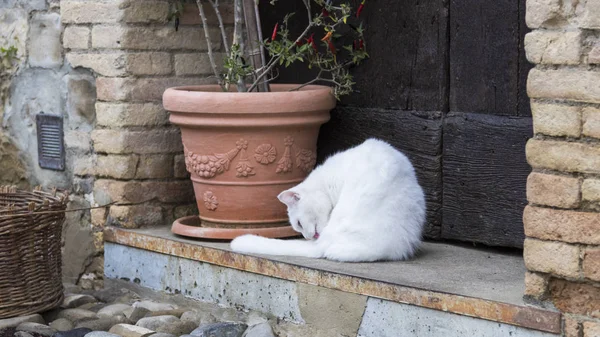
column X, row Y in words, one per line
column 245, row 243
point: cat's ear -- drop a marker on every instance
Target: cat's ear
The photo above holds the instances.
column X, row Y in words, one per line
column 288, row 197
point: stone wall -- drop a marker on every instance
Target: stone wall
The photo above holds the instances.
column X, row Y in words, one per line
column 135, row 54
column 41, row 80
column 562, row 221
column 103, row 66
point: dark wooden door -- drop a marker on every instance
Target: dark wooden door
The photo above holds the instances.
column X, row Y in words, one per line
column 446, row 85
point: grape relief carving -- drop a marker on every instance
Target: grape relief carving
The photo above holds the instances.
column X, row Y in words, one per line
column 209, row 166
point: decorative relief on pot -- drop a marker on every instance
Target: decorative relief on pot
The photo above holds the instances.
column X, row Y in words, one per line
column 243, row 168
column 208, row 166
column 210, row 201
column 284, row 165
column 265, row 154
column 306, row 160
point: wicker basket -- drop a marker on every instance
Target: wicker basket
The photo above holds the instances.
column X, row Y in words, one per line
column 30, row 255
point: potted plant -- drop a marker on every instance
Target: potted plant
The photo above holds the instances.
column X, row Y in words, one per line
column 246, row 140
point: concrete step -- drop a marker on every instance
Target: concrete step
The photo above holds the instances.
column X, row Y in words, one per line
column 447, row 291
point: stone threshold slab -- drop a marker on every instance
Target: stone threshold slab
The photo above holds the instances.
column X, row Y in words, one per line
column 485, row 284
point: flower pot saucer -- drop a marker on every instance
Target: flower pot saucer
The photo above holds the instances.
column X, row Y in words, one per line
column 191, row 226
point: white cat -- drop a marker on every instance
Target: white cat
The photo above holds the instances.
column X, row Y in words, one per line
column 363, row 204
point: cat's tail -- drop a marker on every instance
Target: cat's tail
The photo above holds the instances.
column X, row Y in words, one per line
column 253, row 244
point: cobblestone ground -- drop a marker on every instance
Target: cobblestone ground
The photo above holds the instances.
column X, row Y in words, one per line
column 122, row 312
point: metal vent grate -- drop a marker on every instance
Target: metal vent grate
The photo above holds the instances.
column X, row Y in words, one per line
column 51, row 154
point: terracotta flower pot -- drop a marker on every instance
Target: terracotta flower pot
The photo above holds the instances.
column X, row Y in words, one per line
column 242, row 150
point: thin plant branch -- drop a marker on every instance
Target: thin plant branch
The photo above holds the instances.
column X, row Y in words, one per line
column 215, row 5
column 314, row 80
column 211, row 57
column 254, row 42
column 263, row 59
column 238, row 39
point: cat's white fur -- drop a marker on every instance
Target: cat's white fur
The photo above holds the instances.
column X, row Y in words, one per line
column 363, row 204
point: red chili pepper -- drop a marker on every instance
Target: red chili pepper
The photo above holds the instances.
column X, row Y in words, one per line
column 311, row 40
column 354, row 45
column 274, row 36
column 360, row 44
column 331, row 46
column 325, row 13
column 360, row 8
column 299, row 43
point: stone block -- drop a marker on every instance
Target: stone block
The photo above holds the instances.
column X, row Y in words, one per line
column 196, row 64
column 565, row 83
column 98, row 217
column 594, row 55
column 84, row 166
column 109, row 64
column 149, row 64
column 386, row 318
column 563, row 156
column 81, row 99
column 118, row 115
column 314, row 300
column 590, row 190
column 83, row 185
column 14, row 24
column 588, row 14
column 556, row 119
column 179, row 167
column 155, row 167
column 98, row 242
column 78, row 141
column 141, row 142
column 575, row 298
column 185, row 210
column 76, row 37
column 591, row 264
column 536, row 285
column 539, row 13
column 572, row 327
column 555, row 258
column 79, row 12
column 591, row 122
column 553, row 47
column 78, row 248
column 44, row 46
column 553, row 190
column 177, row 191
column 562, row 225
column 591, row 329
column 117, row 166
column 152, row 38
column 107, row 191
column 135, row 11
column 107, row 36
column 28, row 5
column 142, row 89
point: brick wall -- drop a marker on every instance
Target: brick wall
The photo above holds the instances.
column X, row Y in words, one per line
column 135, row 54
column 562, row 220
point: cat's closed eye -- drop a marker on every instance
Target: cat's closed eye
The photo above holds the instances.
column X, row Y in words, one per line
column 299, row 225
